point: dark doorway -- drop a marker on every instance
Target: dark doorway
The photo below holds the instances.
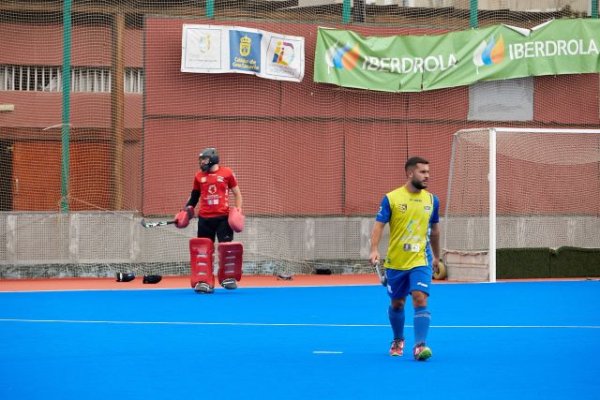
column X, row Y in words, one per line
column 6, row 175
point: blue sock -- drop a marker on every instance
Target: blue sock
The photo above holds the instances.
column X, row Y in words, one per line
column 422, row 320
column 397, row 322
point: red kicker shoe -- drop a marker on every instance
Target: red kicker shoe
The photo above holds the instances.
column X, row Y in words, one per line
column 422, row 352
column 397, row 348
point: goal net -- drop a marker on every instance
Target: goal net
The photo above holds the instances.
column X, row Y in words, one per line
column 519, row 188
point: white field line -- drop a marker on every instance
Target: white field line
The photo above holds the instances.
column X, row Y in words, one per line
column 267, row 324
column 327, row 352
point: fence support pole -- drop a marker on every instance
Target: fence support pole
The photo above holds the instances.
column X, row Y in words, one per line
column 473, row 21
column 66, row 107
column 210, row 8
column 346, row 11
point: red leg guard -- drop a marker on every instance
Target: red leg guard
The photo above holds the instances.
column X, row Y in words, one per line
column 230, row 261
column 201, row 261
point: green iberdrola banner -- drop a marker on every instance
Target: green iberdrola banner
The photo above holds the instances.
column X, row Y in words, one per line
column 419, row 63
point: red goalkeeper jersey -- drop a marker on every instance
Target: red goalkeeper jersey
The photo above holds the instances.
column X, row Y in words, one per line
column 214, row 191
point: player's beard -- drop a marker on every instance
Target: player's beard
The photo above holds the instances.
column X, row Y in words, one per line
column 419, row 185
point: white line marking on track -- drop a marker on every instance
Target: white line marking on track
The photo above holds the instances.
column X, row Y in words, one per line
column 204, row 323
column 69, row 321
column 327, row 352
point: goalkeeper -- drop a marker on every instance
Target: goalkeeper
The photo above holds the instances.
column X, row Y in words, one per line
column 211, row 189
column 413, row 252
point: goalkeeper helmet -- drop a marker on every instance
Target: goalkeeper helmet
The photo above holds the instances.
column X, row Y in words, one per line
column 211, row 154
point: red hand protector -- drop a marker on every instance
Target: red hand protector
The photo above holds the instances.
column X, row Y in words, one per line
column 236, row 219
column 182, row 219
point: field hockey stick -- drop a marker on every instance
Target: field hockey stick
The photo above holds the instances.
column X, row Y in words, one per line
column 147, row 224
column 382, row 277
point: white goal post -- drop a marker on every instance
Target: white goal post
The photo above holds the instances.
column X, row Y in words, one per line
column 519, row 188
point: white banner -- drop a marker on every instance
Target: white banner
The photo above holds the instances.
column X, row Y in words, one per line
column 217, row 49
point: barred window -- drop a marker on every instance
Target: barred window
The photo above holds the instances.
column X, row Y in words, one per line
column 83, row 79
column 87, row 80
column 134, row 80
column 30, row 78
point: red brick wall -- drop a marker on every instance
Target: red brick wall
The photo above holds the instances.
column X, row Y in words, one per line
column 297, row 148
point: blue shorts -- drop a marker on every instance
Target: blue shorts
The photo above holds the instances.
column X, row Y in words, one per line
column 402, row 283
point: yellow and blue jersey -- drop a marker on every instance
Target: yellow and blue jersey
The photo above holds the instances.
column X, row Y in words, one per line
column 410, row 216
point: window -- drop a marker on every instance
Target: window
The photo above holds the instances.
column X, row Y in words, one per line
column 87, row 80
column 83, row 79
column 134, row 80
column 30, row 78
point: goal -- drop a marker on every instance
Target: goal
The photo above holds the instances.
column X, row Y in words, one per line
column 512, row 188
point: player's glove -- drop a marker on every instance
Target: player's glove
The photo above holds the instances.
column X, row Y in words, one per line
column 182, row 219
column 236, row 219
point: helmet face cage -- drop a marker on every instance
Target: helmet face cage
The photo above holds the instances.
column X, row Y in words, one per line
column 213, row 158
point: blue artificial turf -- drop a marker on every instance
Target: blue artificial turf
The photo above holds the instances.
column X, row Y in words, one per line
column 534, row 340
